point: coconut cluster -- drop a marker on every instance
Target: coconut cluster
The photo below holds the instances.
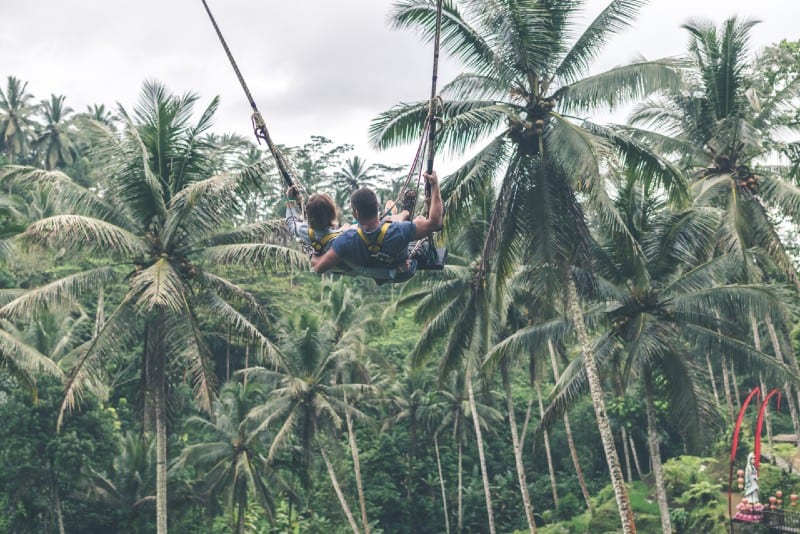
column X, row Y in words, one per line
column 530, row 127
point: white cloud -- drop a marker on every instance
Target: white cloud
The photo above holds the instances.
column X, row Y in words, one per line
column 314, row 66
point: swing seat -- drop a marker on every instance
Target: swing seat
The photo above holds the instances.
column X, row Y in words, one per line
column 428, row 256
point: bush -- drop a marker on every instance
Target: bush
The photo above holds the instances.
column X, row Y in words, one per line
column 568, row 506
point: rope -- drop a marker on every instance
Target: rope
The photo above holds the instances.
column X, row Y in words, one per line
column 259, row 126
column 428, row 137
column 432, row 105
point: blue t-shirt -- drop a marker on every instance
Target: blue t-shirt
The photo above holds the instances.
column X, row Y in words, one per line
column 353, row 250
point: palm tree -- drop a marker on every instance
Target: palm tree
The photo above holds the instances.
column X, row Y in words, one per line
column 307, row 401
column 449, row 411
column 354, row 174
column 528, row 75
column 130, row 487
column 16, row 119
column 159, row 229
column 99, row 113
column 655, row 316
column 229, row 455
column 726, row 128
column 55, row 143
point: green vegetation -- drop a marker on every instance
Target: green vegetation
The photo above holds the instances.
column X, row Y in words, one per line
column 613, row 293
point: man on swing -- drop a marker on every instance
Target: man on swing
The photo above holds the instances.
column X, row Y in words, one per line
column 373, row 243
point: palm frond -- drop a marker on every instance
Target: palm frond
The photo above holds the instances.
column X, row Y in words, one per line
column 616, row 16
column 80, row 234
column 117, row 330
column 458, row 37
column 256, row 255
column 159, row 286
column 619, row 86
column 63, row 291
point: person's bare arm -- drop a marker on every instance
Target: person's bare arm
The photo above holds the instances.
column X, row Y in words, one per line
column 325, row 262
column 433, row 223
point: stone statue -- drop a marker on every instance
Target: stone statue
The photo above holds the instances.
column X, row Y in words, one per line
column 751, row 480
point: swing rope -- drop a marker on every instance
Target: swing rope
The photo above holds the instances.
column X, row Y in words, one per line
column 427, row 143
column 259, row 126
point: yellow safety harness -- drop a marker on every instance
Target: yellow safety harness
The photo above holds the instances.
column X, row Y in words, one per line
column 319, row 244
column 374, row 245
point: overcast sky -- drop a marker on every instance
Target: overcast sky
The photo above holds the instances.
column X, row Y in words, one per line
column 314, row 67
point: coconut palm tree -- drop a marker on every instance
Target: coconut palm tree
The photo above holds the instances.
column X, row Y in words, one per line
column 354, row 174
column 306, row 401
column 651, row 321
column 56, row 143
column 529, row 66
column 230, row 455
column 16, row 119
column 130, row 487
column 449, row 411
column 158, row 231
column 727, row 129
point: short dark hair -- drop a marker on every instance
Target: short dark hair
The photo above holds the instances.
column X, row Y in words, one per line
column 321, row 211
column 365, row 202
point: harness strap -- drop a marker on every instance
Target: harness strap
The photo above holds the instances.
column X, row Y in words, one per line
column 374, row 246
column 319, row 244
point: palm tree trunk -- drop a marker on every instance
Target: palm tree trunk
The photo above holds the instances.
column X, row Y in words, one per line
column 460, row 486
column 573, row 451
column 481, row 456
column 240, row 514
column 624, row 437
column 155, row 361
column 338, row 490
column 441, row 483
column 351, row 436
column 713, row 380
column 548, row 453
column 523, row 484
column 57, row 502
column 655, row 455
column 603, row 424
column 635, row 457
column 727, row 387
column 761, row 383
column 736, row 397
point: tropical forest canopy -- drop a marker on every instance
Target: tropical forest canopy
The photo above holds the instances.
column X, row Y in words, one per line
column 612, row 294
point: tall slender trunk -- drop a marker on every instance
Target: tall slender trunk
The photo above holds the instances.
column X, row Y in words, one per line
column 603, row 424
column 523, row 484
column 460, row 486
column 547, row 451
column 727, row 387
column 240, row 515
column 624, row 437
column 481, row 456
column 712, row 377
column 56, row 501
column 761, row 383
column 736, row 397
column 573, row 451
column 441, row 482
column 655, row 454
column 155, row 369
column 635, row 457
column 524, row 431
column 338, row 490
column 351, row 437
